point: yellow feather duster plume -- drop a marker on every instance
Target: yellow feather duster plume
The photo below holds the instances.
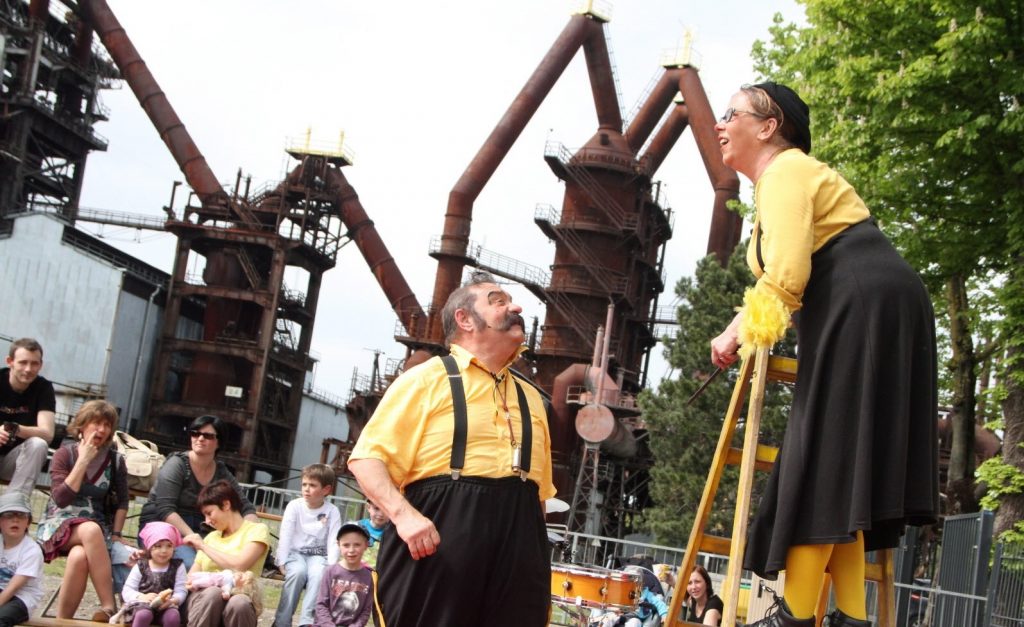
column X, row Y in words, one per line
column 765, row 319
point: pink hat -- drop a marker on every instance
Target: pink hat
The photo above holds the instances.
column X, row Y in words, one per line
column 156, row 531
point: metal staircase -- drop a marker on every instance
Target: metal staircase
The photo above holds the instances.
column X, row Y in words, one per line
column 249, row 268
column 579, row 174
column 612, row 285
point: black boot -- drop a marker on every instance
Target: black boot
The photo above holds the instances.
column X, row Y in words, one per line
column 838, row 619
column 778, row 615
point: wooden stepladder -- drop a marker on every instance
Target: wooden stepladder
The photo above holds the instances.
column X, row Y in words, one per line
column 755, row 373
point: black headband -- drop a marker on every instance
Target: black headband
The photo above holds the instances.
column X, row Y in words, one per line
column 794, row 110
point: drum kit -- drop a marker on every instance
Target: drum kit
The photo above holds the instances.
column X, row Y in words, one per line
column 578, row 590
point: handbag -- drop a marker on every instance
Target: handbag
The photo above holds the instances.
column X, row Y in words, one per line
column 142, row 459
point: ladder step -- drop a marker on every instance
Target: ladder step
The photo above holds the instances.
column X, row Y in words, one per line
column 781, row 369
column 764, row 458
column 874, row 572
column 715, row 544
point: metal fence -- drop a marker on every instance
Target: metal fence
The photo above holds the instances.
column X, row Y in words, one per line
column 922, row 605
column 1006, row 588
column 272, row 500
column 601, row 551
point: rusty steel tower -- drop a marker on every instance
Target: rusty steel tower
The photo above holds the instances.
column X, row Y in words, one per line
column 50, row 79
column 609, row 238
column 235, row 337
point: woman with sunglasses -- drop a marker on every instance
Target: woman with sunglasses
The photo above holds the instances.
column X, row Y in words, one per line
column 859, row 458
column 173, row 496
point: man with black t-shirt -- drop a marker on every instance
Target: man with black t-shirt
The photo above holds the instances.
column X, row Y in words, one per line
column 27, row 406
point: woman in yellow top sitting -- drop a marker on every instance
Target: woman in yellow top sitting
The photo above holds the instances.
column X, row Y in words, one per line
column 859, row 458
column 236, row 544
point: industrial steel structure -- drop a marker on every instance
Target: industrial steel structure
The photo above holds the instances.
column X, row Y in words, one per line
column 609, row 237
column 249, row 361
column 50, row 79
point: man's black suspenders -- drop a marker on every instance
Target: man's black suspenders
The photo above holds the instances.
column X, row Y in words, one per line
column 461, row 429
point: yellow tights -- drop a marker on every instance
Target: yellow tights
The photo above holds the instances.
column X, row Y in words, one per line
column 805, row 570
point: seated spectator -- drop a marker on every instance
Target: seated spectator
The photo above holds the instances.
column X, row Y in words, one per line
column 155, row 588
column 27, row 406
column 307, row 545
column 87, row 509
column 652, row 609
column 345, row 595
column 704, row 606
column 375, row 522
column 21, row 562
column 173, row 496
column 236, row 544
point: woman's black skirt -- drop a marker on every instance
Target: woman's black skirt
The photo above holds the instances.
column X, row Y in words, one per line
column 860, row 450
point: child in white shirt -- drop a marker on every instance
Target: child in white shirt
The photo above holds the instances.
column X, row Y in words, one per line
column 307, row 546
column 21, row 561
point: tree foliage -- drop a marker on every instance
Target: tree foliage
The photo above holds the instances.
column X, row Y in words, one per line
column 683, row 439
column 918, row 104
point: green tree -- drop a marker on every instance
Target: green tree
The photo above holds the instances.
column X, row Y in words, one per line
column 918, row 104
column 683, row 438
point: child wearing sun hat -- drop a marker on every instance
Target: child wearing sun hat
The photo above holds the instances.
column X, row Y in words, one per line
column 21, row 561
column 155, row 588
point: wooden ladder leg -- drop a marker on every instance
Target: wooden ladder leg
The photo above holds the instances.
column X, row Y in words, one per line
column 697, row 540
column 886, row 590
column 823, row 594
column 758, row 380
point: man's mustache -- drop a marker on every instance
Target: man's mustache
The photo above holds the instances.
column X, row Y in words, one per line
column 512, row 320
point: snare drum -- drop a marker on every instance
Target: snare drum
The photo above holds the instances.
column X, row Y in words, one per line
column 594, row 587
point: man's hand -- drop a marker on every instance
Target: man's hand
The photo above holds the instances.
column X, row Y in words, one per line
column 418, row 531
column 5, row 437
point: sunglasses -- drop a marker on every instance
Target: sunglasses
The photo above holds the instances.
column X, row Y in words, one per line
column 202, row 435
column 731, row 112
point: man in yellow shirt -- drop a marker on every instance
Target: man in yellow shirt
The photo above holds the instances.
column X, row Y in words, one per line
column 459, row 456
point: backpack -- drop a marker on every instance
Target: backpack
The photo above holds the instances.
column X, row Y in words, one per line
column 142, row 459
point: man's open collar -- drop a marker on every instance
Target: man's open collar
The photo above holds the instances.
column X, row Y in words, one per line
column 463, row 358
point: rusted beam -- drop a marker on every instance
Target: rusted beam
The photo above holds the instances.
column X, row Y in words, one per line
column 455, row 236
column 156, row 105
column 602, row 81
column 725, row 224
column 667, row 136
column 374, row 251
column 650, row 112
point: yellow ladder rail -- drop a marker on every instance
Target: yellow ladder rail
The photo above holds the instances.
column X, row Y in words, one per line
column 755, row 374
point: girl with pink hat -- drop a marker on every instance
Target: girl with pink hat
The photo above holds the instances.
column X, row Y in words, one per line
column 155, row 588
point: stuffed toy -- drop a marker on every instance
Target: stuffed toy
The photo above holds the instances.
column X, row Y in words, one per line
column 230, row 583
column 120, row 617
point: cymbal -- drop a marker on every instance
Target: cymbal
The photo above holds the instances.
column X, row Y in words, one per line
column 555, row 506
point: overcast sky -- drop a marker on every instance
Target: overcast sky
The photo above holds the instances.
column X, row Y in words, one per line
column 416, row 87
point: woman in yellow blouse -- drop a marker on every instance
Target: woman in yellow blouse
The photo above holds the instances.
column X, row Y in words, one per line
column 235, row 544
column 859, row 458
